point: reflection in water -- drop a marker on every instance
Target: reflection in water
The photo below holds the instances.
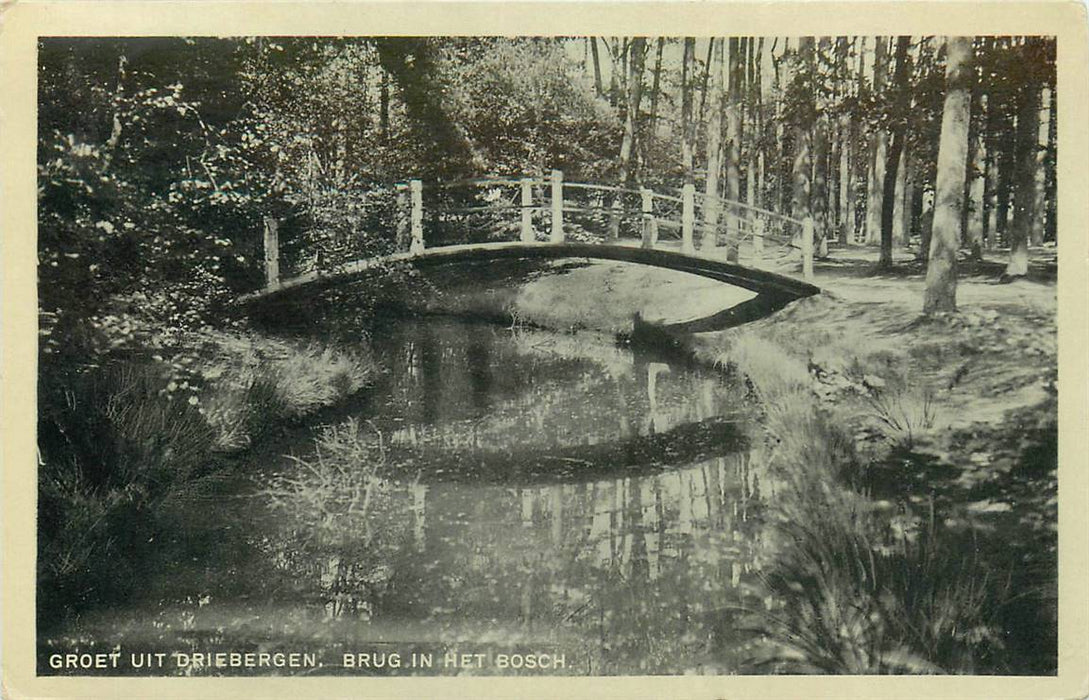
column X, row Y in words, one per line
column 502, row 490
column 637, row 570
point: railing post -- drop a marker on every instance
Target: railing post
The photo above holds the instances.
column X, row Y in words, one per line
column 688, row 218
column 808, row 229
column 557, row 207
column 417, row 245
column 272, row 253
column 757, row 241
column 528, row 236
column 403, row 216
column 650, row 223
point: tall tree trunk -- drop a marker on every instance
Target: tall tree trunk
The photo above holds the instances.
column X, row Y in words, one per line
column 990, row 199
column 711, row 204
column 888, row 198
column 597, row 66
column 941, row 268
column 803, row 147
column 908, row 198
column 997, row 184
column 847, row 182
column 750, row 144
column 1024, row 211
column 818, row 197
column 976, row 183
column 900, row 104
column 383, row 107
column 899, row 218
column 875, row 195
column 855, row 150
column 1005, row 164
column 629, row 144
column 687, row 127
column 1039, row 207
column 1050, row 228
column 652, row 120
column 705, row 81
column 733, row 147
column 760, row 135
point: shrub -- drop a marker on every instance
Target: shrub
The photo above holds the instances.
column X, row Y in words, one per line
column 113, row 444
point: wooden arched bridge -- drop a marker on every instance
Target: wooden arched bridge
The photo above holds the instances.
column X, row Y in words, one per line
column 731, row 242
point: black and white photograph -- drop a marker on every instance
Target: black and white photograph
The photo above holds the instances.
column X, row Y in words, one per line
column 583, row 355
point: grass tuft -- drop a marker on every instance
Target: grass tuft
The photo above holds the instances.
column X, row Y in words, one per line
column 904, row 414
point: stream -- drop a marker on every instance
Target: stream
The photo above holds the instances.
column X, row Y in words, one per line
column 585, row 507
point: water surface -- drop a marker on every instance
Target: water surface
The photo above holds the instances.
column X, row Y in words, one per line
column 530, row 492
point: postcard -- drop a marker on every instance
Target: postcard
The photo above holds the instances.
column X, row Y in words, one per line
column 545, row 349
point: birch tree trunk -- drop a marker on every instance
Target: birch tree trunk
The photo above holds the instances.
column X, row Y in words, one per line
column 976, row 175
column 803, row 155
column 899, row 219
column 908, row 198
column 655, row 91
column 1039, row 207
column 629, row 145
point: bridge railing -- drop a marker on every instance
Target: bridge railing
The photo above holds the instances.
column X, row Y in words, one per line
column 552, row 210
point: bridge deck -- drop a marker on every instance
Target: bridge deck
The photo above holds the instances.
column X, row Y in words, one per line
column 753, row 279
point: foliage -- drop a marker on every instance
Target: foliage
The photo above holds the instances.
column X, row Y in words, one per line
column 525, row 105
column 113, row 444
column 120, row 438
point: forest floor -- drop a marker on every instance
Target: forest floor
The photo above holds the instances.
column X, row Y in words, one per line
column 970, row 395
column 951, row 415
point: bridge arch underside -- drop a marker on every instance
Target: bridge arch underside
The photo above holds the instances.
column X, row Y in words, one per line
column 773, row 290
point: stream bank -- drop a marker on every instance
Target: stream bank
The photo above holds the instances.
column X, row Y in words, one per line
column 928, row 442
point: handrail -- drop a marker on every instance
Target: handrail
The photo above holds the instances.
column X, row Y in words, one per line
column 506, row 181
column 750, row 207
column 732, row 228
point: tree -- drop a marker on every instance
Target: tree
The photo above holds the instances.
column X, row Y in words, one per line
column 1029, row 173
column 414, row 66
column 714, row 146
column 878, row 155
column 941, row 269
column 899, row 106
column 802, row 117
column 688, row 127
column 733, row 145
column 633, row 97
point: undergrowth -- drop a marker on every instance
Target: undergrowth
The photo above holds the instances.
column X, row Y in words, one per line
column 120, row 436
column 855, row 589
